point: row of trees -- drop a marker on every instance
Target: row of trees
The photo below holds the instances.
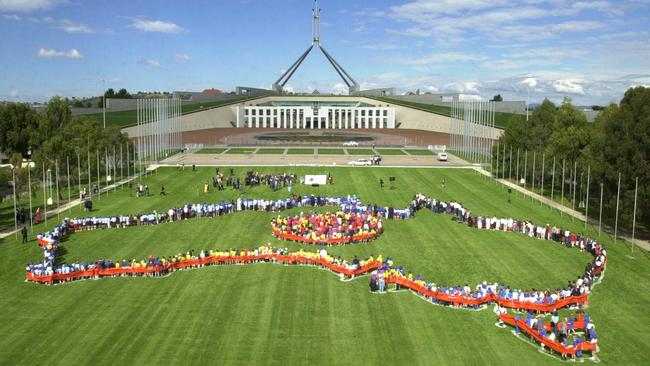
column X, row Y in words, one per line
column 617, row 142
column 53, row 139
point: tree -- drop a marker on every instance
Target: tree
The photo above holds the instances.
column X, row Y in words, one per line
column 110, row 93
column 497, row 98
column 123, row 94
column 16, row 122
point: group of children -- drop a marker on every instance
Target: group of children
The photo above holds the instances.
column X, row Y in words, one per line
column 329, row 227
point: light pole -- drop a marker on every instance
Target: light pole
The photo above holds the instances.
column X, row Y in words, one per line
column 104, row 102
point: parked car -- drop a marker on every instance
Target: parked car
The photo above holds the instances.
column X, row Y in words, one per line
column 442, row 156
column 360, row 162
column 351, row 143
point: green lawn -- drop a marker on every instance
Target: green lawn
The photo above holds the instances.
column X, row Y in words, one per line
column 267, row 313
column 501, row 119
column 212, row 150
column 419, row 152
column 361, row 151
column 331, row 151
column 271, row 151
column 129, row 118
column 241, row 150
column 390, row 152
column 300, row 151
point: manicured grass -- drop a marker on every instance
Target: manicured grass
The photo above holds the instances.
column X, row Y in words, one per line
column 419, row 152
column 361, row 152
column 331, row 152
column 270, row 151
column 501, row 119
column 129, row 117
column 241, row 150
column 212, row 150
column 266, row 313
column 300, row 151
column 390, row 152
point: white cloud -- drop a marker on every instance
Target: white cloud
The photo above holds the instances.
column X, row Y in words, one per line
column 436, row 58
column 158, row 26
column 13, row 93
column 11, row 17
column 49, row 52
column 382, row 47
column 470, row 97
column 569, row 86
column 339, row 88
column 27, row 5
column 70, row 27
column 466, row 87
column 531, row 82
column 152, row 63
column 182, row 58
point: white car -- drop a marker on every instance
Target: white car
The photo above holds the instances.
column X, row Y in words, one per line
column 351, row 143
column 360, row 162
column 442, row 156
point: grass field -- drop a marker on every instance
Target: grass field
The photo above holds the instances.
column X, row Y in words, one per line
column 212, row 150
column 331, row 151
column 241, row 150
column 268, row 314
column 127, row 118
column 300, row 151
column 501, row 119
column 270, row 151
column 419, row 152
column 390, row 152
column 361, row 151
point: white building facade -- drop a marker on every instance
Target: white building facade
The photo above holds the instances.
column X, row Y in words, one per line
column 323, row 117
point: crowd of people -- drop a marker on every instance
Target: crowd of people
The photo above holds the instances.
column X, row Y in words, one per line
column 273, row 181
column 352, row 218
column 329, row 228
column 568, row 337
column 159, row 266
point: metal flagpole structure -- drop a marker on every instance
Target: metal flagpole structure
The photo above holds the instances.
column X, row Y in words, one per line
column 636, row 190
column 587, row 200
column 618, row 195
column 503, row 163
column 553, row 180
column 67, row 160
column 497, row 171
column 128, row 162
column 533, row 176
column 525, row 168
column 541, row 191
column 517, row 165
column 600, row 215
column 44, row 195
column 56, row 174
column 122, row 163
column 562, row 194
column 29, row 187
column 79, row 173
column 13, row 171
column 510, row 164
column 114, row 170
column 99, row 182
column 574, row 182
column 90, row 187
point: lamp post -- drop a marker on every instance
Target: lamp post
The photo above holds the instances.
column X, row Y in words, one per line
column 104, row 101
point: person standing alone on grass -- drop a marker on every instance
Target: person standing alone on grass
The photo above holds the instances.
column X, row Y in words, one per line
column 23, row 231
column 162, row 190
column 381, row 183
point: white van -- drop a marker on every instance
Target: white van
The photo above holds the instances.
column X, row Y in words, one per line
column 442, row 156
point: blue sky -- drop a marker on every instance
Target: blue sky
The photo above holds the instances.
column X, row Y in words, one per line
column 590, row 51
